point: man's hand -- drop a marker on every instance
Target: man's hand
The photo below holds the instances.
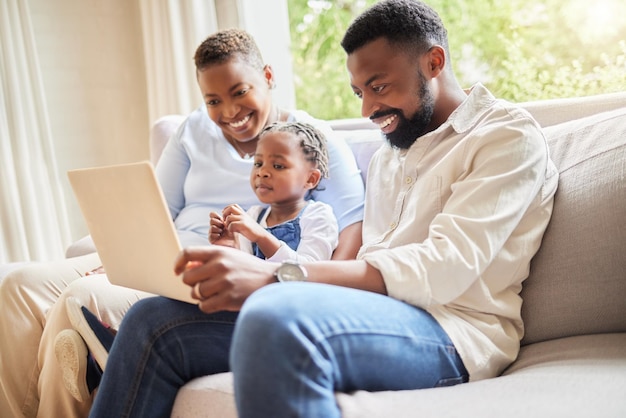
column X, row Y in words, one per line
column 222, row 278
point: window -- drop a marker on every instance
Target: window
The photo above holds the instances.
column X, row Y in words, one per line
column 520, row 49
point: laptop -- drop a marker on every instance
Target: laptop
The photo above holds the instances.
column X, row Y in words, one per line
column 131, row 227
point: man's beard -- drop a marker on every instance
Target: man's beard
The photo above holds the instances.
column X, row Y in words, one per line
column 408, row 130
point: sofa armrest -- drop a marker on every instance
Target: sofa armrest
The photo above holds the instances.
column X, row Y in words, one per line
column 160, row 132
column 83, row 246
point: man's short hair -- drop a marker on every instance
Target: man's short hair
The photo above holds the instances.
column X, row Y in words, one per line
column 404, row 23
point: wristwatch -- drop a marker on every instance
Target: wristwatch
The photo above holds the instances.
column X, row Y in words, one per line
column 290, row 271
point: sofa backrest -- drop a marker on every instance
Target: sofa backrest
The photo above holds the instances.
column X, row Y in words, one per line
column 556, row 111
column 577, row 282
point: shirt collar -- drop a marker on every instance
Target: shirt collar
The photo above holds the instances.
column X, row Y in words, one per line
column 477, row 103
column 465, row 116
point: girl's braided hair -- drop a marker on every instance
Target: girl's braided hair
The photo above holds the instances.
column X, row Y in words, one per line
column 312, row 141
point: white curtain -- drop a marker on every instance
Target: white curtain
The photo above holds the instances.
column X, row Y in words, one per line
column 172, row 30
column 32, row 210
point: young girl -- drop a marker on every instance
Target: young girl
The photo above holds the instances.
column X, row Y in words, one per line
column 290, row 161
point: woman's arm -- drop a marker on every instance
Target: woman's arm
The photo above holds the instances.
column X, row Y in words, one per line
column 350, row 240
column 171, row 171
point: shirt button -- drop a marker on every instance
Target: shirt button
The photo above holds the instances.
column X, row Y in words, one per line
column 392, row 225
column 408, row 180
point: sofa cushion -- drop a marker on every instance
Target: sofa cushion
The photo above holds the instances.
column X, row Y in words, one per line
column 206, row 396
column 363, row 143
column 580, row 376
column 577, row 283
column 585, row 373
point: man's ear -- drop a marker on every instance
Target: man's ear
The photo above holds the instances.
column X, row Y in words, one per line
column 436, row 60
column 268, row 73
column 315, row 175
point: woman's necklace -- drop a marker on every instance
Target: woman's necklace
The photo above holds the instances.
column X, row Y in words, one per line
column 244, row 155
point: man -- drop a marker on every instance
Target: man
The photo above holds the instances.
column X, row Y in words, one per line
column 456, row 205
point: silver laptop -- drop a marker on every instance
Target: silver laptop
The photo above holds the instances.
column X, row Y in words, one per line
column 131, row 227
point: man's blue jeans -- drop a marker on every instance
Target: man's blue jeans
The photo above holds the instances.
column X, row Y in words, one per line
column 294, row 345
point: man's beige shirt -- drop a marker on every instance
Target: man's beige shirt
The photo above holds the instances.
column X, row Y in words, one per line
column 453, row 222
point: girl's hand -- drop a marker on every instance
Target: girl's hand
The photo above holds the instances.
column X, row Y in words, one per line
column 219, row 233
column 236, row 220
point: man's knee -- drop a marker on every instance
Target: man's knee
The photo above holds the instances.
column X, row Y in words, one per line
column 271, row 314
column 273, row 300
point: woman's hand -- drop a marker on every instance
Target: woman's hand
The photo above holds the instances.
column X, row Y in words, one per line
column 97, row 270
column 222, row 278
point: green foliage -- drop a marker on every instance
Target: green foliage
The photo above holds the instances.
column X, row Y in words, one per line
column 520, row 49
column 321, row 80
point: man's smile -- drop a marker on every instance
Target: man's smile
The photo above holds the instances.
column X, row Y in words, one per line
column 386, row 123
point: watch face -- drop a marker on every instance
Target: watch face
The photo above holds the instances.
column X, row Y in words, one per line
column 291, row 272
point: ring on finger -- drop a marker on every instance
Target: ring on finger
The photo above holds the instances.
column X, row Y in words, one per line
column 196, row 291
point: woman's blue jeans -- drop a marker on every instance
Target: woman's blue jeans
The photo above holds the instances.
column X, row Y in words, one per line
column 294, row 345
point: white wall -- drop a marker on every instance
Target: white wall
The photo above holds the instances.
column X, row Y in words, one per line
column 268, row 22
column 91, row 57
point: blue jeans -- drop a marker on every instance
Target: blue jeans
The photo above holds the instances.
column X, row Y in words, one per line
column 161, row 345
column 294, row 345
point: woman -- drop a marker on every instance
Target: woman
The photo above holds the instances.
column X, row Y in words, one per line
column 203, row 168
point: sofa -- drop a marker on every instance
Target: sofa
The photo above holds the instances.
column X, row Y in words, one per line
column 572, row 362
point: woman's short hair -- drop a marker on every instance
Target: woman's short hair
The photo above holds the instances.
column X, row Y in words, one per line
column 224, row 45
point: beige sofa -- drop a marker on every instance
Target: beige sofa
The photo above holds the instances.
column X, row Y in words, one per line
column 573, row 357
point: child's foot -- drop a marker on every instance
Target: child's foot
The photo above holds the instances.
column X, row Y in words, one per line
column 97, row 335
column 81, row 374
